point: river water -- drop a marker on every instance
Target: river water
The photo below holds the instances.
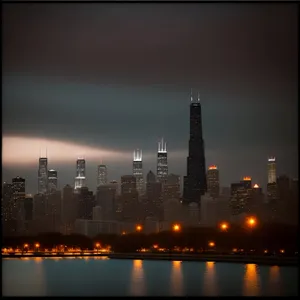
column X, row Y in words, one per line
column 112, row 277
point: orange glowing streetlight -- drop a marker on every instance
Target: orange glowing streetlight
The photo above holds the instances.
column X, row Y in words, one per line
column 224, row 226
column 211, row 244
column 37, row 246
column 251, row 222
column 123, row 232
column 139, row 228
column 176, row 227
column 155, row 246
column 97, row 246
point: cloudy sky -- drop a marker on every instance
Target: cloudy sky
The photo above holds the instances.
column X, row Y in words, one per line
column 99, row 80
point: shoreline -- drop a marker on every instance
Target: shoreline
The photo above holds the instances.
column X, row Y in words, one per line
column 246, row 259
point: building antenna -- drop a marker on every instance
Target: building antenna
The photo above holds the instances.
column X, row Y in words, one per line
column 191, row 95
column 198, row 97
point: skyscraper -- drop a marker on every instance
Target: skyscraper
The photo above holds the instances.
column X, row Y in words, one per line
column 213, row 183
column 137, row 168
column 129, row 196
column 272, row 190
column 271, row 169
column 43, row 175
column 52, row 181
column 101, row 175
column 162, row 161
column 195, row 180
column 80, row 173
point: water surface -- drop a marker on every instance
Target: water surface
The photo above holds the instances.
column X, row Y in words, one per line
column 113, row 277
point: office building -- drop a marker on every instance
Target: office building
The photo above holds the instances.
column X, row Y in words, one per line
column 102, row 175
column 80, row 174
column 106, row 200
column 52, row 181
column 130, row 200
column 162, row 161
column 137, row 169
column 195, row 181
column 213, row 181
column 128, row 184
column 271, row 170
column 86, row 202
column 239, row 198
column 171, row 188
column 43, row 175
column 69, row 209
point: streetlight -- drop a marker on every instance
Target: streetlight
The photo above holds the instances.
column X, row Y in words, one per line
column 97, row 246
column 211, row 244
column 176, row 227
column 139, row 228
column 224, row 226
column 37, row 246
column 26, row 247
column 251, row 222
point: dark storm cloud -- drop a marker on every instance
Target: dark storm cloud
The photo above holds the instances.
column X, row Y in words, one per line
column 118, row 76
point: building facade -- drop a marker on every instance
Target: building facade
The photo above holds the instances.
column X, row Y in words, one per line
column 80, row 179
column 43, row 175
column 213, row 181
column 52, row 181
column 271, row 170
column 137, row 169
column 162, row 161
column 101, row 175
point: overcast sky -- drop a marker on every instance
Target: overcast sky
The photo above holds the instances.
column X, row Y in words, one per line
column 99, row 80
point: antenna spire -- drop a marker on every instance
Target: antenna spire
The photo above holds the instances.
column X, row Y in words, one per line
column 191, row 95
column 198, row 97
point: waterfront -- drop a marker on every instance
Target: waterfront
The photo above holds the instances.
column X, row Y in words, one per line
column 100, row 276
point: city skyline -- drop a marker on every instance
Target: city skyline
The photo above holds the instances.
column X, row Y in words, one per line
column 101, row 103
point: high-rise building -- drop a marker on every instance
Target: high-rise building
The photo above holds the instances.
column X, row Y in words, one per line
column 129, row 197
column 239, row 198
column 195, row 181
column 271, row 169
column 9, row 222
column 80, row 173
column 101, row 175
column 18, row 185
column 162, row 161
column 43, row 175
column 52, row 181
column 171, row 188
column 213, row 182
column 247, row 182
column 128, row 184
column 137, row 168
column 86, row 202
column 106, row 199
column 69, row 209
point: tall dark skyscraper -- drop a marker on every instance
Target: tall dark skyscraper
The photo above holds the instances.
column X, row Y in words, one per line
column 43, row 175
column 162, row 161
column 195, row 180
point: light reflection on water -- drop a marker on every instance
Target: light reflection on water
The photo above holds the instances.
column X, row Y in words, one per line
column 251, row 280
column 274, row 280
column 101, row 276
column 210, row 284
column 176, row 279
column 137, row 287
